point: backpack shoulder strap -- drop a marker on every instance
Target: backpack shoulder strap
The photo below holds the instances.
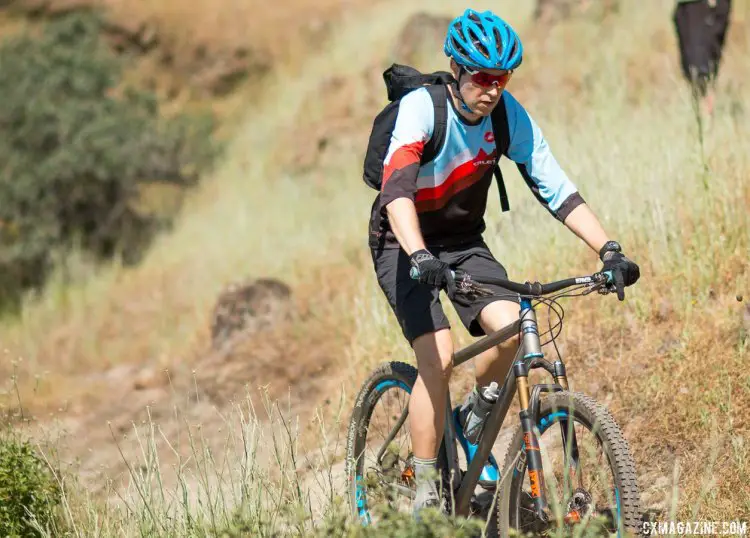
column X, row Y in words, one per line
column 500, row 128
column 439, row 95
column 502, row 141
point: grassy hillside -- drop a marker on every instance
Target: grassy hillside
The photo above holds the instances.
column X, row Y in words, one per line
column 608, row 94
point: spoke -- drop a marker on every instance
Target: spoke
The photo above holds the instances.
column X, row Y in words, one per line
column 379, row 425
column 529, row 511
column 374, row 459
column 392, row 434
column 387, row 410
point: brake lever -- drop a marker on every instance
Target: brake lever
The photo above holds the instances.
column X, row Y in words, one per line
column 607, row 284
column 465, row 284
column 468, row 287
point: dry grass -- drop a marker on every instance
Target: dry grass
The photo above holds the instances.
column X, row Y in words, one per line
column 669, row 361
column 282, row 30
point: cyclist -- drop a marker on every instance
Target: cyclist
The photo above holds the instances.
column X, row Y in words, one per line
column 430, row 216
column 701, row 26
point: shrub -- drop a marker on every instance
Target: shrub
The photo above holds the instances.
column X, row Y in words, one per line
column 75, row 146
column 432, row 524
column 27, row 490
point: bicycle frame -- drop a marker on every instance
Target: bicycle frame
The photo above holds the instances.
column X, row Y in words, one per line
column 528, row 356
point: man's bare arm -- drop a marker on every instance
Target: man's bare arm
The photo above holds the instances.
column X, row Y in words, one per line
column 585, row 225
column 402, row 215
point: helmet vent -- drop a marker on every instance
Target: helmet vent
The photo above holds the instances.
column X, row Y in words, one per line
column 498, row 40
column 481, row 47
column 513, row 50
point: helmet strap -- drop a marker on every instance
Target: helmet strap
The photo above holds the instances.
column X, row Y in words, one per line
column 460, row 98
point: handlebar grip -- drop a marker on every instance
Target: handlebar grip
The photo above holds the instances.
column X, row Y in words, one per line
column 414, row 273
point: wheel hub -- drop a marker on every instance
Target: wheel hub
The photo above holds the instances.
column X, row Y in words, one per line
column 578, row 506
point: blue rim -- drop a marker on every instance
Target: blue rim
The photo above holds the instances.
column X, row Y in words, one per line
column 388, row 383
column 360, row 493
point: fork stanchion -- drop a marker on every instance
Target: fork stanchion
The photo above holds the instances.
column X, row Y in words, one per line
column 533, row 456
column 559, row 374
column 522, row 379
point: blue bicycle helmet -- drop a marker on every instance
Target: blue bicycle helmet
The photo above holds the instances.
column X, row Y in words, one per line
column 483, row 41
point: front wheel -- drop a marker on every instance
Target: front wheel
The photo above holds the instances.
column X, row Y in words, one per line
column 589, row 474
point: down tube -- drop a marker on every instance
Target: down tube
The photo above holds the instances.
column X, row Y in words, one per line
column 491, row 430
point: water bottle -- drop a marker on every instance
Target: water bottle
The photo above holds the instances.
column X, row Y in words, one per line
column 478, row 413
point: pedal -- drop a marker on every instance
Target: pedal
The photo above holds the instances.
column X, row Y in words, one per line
column 475, row 507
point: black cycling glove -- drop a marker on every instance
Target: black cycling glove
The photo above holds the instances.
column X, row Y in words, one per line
column 432, row 271
column 624, row 271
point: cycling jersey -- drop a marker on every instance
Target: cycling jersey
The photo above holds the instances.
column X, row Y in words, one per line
column 450, row 192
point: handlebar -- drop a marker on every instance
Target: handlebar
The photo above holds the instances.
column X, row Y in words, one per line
column 529, row 289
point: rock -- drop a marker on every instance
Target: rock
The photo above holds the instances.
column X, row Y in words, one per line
column 218, row 72
column 248, row 307
column 422, row 36
column 150, row 378
column 117, row 374
column 131, row 35
column 222, row 76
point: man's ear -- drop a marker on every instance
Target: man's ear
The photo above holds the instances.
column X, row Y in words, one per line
column 454, row 68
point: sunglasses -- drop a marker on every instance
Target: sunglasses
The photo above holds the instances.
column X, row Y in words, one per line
column 485, row 80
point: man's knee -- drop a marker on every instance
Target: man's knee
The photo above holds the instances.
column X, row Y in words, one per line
column 497, row 315
column 510, row 345
column 434, row 353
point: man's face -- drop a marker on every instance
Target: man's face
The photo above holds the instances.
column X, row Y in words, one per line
column 481, row 90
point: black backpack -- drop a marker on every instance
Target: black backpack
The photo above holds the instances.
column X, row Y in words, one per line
column 402, row 79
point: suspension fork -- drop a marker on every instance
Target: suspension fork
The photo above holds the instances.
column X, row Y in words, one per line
column 533, row 349
column 568, row 434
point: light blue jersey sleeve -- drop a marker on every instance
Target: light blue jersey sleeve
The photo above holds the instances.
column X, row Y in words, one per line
column 530, row 151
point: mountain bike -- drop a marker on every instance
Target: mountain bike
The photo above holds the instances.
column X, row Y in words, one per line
column 567, row 463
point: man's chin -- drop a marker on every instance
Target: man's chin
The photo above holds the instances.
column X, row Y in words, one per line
column 484, row 109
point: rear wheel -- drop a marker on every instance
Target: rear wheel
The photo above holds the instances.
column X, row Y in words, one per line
column 380, row 468
column 380, row 471
column 589, row 474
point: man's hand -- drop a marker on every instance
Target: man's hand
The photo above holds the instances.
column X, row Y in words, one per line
column 432, row 271
column 624, row 271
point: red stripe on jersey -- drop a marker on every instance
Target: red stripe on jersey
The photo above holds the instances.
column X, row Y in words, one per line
column 403, row 157
column 433, row 204
column 460, row 175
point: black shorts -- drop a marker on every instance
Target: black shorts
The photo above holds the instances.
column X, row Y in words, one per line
column 701, row 30
column 417, row 306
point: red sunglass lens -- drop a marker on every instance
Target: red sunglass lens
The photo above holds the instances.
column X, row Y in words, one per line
column 485, row 79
